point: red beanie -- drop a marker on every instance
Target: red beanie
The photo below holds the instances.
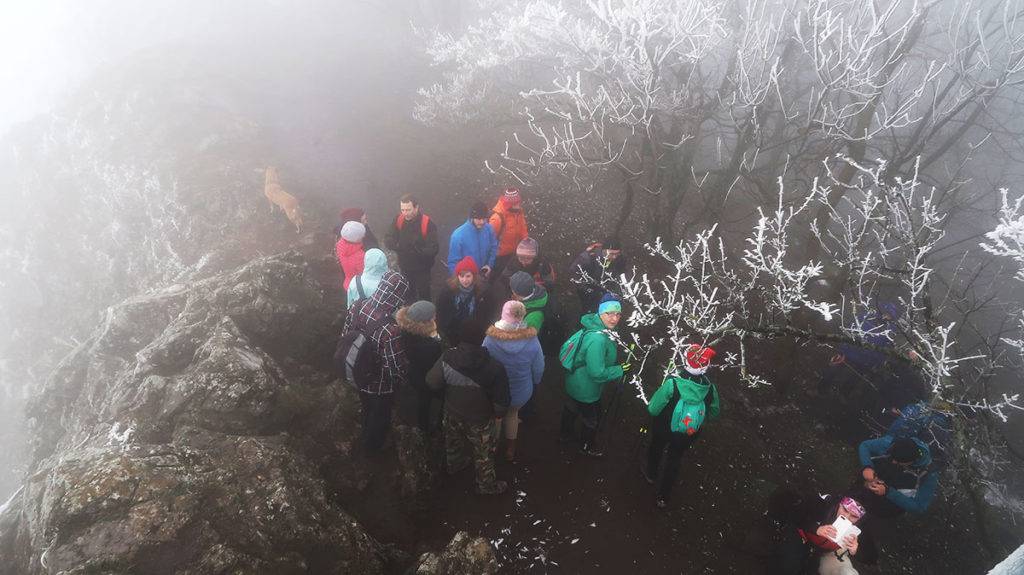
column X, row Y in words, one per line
column 352, row 215
column 511, row 197
column 466, row 264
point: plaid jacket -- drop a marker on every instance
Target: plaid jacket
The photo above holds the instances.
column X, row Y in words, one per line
column 390, row 295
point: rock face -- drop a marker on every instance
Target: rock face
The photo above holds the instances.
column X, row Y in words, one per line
column 186, row 434
column 465, row 555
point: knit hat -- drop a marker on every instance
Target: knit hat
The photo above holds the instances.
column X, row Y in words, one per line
column 467, row 264
column 472, row 332
column 698, row 359
column 610, row 306
column 352, row 215
column 421, row 312
column 512, row 314
column 522, row 284
column 353, row 232
column 905, row 450
column 527, row 247
column 511, row 197
column 855, row 509
column 478, row 210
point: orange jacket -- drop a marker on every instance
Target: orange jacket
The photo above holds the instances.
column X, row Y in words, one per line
column 509, row 227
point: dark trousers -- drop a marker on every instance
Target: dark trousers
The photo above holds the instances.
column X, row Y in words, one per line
column 589, row 414
column 677, row 444
column 424, row 405
column 376, row 419
column 419, row 285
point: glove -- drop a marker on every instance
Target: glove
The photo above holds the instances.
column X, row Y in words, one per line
column 626, row 367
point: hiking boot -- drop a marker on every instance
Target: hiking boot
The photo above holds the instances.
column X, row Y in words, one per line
column 592, row 451
column 499, row 488
column 661, row 503
column 647, row 476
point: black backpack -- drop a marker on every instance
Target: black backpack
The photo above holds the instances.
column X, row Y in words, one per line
column 355, row 357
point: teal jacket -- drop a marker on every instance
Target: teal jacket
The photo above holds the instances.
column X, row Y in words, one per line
column 692, row 389
column 596, row 365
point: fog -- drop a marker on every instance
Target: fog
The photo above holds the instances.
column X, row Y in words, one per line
column 133, row 139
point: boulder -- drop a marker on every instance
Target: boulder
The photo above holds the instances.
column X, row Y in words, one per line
column 464, row 555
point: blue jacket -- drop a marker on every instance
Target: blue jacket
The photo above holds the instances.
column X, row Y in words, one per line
column 519, row 351
column 913, row 500
column 479, row 244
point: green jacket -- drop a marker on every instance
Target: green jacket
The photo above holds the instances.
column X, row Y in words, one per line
column 596, row 363
column 535, row 310
column 692, row 389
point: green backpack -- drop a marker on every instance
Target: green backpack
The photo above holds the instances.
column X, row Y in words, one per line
column 687, row 417
column 571, row 349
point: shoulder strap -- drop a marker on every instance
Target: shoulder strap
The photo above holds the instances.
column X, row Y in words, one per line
column 424, row 225
column 359, row 286
column 576, row 354
column 501, row 223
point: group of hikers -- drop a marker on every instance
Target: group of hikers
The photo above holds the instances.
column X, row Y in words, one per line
column 478, row 350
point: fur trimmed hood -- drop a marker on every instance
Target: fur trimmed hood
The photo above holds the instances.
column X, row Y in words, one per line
column 511, row 334
column 425, row 329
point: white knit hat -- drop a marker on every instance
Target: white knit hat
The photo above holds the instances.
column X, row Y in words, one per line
column 353, row 232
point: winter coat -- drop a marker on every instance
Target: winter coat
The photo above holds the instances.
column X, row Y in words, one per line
column 422, row 349
column 475, row 384
column 536, row 308
column 519, row 351
column 586, row 273
column 509, row 227
column 415, row 252
column 452, row 311
column 911, row 489
column 375, row 264
column 598, row 367
column 351, row 257
column 543, row 272
column 691, row 388
column 387, row 339
column 479, row 244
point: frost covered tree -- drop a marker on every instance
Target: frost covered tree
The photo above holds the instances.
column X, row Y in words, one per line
column 681, row 106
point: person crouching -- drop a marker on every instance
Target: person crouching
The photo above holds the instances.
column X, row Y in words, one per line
column 679, row 408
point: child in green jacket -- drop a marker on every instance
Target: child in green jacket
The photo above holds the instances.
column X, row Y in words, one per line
column 679, row 408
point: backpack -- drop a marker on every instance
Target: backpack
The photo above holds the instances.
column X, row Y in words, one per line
column 686, row 417
column 424, row 224
column 571, row 349
column 501, row 223
column 355, row 357
column 933, row 428
column 359, row 287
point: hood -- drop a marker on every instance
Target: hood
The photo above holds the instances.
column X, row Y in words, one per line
column 518, row 337
column 539, row 299
column 422, row 329
column 375, row 264
column 467, row 357
column 390, row 294
column 926, row 455
column 346, row 248
column 692, row 388
column 501, row 208
column 592, row 321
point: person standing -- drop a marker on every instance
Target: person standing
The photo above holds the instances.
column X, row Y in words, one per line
column 529, row 260
column 375, row 265
column 899, row 476
column 413, row 236
column 474, row 239
column 509, row 225
column 679, row 408
column 594, row 366
column 374, row 317
column 349, row 250
column 423, row 348
column 515, row 345
column 595, row 270
column 461, row 299
column 476, row 392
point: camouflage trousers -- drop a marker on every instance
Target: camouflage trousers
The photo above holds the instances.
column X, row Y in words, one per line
column 461, row 439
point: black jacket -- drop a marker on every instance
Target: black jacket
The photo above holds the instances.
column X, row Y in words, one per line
column 475, row 384
column 450, row 315
column 415, row 252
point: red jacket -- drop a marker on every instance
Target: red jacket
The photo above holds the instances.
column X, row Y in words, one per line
column 350, row 256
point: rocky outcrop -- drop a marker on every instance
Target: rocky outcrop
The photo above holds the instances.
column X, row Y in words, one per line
column 464, row 555
column 186, row 435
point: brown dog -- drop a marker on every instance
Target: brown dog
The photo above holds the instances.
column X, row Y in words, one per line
column 282, row 199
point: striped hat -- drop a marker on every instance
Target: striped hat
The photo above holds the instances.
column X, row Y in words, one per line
column 511, row 197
